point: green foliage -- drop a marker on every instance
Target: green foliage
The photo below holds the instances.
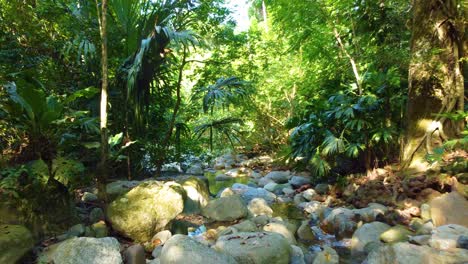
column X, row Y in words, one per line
column 225, row 92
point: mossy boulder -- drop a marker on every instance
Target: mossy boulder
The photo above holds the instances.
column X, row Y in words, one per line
column 15, row 242
column 146, row 209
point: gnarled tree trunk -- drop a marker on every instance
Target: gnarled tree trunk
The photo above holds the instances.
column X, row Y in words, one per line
column 435, row 78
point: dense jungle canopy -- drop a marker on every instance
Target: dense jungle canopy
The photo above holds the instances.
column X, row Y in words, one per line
column 99, row 97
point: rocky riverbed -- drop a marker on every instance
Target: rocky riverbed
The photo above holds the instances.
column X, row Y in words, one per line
column 239, row 210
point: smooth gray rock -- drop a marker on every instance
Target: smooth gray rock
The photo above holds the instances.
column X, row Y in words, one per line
column 87, row 250
column 297, row 181
column 248, row 193
column 182, row 249
column 255, row 247
column 447, row 236
column 405, row 253
column 367, row 233
column 278, row 176
column 225, row 209
column 135, row 254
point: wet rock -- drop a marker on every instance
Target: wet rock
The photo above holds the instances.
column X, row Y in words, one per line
column 135, row 254
column 146, row 209
column 15, row 242
column 367, row 233
column 256, row 247
column 450, row 208
column 258, row 206
column 281, row 229
column 87, row 250
column 182, row 249
column 327, row 256
column 395, row 234
column 405, row 253
column 225, row 209
column 447, row 236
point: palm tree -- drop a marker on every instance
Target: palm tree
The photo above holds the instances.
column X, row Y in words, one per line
column 224, row 126
column 225, row 92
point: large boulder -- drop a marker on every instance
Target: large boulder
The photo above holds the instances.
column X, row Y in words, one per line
column 225, row 208
column 146, row 209
column 405, row 253
column 255, row 247
column 450, row 208
column 181, row 249
column 15, row 242
column 249, row 193
column 367, row 233
column 198, row 194
column 87, row 250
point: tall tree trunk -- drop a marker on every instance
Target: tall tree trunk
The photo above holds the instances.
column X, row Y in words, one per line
column 167, row 137
column 435, row 78
column 102, row 177
column 264, row 14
